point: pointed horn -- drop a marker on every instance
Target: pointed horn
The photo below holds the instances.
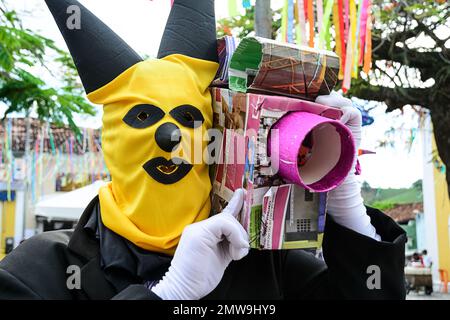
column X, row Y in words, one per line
column 191, row 30
column 99, row 54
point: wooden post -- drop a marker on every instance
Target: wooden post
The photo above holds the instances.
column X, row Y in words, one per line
column 263, row 19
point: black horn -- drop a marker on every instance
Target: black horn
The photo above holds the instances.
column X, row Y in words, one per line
column 100, row 55
column 191, row 30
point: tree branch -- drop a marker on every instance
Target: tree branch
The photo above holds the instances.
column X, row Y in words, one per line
column 397, row 36
column 384, row 72
column 388, row 50
column 395, row 98
column 432, row 35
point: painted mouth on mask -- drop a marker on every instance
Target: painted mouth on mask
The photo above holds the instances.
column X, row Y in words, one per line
column 167, row 171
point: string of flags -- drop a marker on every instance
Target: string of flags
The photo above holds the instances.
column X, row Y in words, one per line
column 343, row 24
column 55, row 153
column 309, row 23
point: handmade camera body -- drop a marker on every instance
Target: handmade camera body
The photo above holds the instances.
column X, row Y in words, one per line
column 286, row 151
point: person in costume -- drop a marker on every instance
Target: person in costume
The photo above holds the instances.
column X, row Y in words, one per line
column 148, row 234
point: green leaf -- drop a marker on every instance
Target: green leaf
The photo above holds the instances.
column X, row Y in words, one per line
column 22, row 48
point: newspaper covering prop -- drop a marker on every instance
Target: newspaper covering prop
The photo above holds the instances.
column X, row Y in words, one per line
column 225, row 49
column 279, row 212
column 264, row 65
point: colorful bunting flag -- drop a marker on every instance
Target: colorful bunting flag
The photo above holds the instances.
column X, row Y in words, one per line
column 351, row 21
column 309, row 22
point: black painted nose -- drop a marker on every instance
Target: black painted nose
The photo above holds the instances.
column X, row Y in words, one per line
column 168, row 136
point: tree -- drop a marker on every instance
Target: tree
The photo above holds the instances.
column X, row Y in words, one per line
column 412, row 63
column 417, row 185
column 411, row 60
column 365, row 186
column 242, row 26
column 21, row 49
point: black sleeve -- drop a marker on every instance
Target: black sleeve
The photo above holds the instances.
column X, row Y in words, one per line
column 136, row 292
column 12, row 288
column 357, row 267
column 36, row 269
column 360, row 267
column 304, row 276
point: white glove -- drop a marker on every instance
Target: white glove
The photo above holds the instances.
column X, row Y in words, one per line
column 205, row 250
column 345, row 203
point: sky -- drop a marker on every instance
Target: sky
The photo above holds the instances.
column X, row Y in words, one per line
column 141, row 23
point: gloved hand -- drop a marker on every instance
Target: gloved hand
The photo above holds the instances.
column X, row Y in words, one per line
column 205, row 250
column 345, row 203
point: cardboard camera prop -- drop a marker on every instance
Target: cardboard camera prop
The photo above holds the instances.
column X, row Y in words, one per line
column 287, row 153
column 264, row 65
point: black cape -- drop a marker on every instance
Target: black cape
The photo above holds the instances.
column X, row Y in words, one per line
column 40, row 267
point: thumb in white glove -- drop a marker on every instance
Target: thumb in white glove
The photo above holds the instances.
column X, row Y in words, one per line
column 205, row 250
column 345, row 203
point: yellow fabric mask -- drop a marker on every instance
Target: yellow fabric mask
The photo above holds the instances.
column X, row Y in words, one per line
column 149, row 213
column 153, row 110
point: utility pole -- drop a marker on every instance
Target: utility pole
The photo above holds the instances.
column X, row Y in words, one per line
column 263, row 19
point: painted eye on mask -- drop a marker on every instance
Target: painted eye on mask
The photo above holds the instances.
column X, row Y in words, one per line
column 188, row 116
column 143, row 116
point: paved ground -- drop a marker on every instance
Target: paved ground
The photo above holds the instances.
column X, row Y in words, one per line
column 433, row 296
